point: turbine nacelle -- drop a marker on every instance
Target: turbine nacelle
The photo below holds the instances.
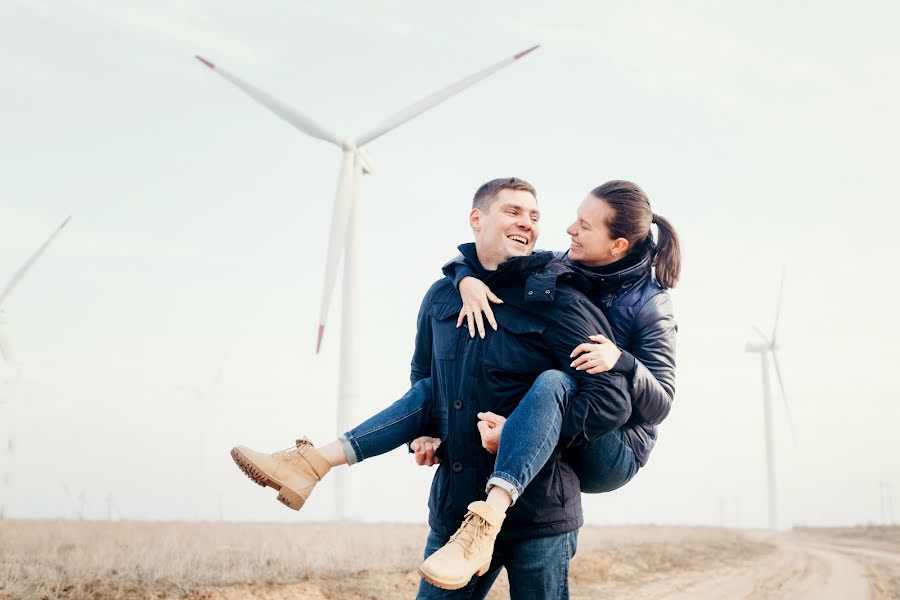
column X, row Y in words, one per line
column 757, row 347
column 760, row 347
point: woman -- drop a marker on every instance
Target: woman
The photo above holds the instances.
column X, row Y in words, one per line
column 613, row 248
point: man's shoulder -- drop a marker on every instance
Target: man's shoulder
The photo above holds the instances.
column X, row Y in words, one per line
column 442, row 291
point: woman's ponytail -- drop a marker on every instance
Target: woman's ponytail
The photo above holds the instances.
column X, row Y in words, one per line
column 668, row 253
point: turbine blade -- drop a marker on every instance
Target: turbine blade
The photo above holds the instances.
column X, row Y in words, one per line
column 337, row 239
column 761, row 334
column 436, row 98
column 6, row 350
column 285, row 111
column 28, row 263
column 778, row 306
column 787, row 408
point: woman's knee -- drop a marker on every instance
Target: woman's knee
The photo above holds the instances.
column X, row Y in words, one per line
column 604, row 465
column 424, row 387
column 602, row 478
column 602, row 485
column 556, row 379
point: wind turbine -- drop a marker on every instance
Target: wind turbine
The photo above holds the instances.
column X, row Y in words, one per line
column 764, row 349
column 79, row 504
column 6, row 352
column 7, row 427
column 345, row 227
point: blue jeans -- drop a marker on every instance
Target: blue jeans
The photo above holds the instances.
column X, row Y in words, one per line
column 530, row 435
column 538, row 568
column 401, row 422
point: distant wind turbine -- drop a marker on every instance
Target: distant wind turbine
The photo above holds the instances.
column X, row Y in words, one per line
column 6, row 477
column 79, row 504
column 8, row 357
column 111, row 507
column 345, row 227
column 764, row 349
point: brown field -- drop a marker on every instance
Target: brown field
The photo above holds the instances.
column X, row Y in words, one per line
column 224, row 561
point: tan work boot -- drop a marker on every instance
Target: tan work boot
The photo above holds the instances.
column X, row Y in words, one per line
column 294, row 472
column 468, row 552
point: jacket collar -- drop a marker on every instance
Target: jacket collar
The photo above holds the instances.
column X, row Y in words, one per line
column 540, row 271
column 521, row 266
column 627, row 276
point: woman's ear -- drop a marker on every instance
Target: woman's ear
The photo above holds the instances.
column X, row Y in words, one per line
column 620, row 247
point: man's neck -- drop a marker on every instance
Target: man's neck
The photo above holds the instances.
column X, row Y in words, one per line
column 483, row 258
column 486, row 263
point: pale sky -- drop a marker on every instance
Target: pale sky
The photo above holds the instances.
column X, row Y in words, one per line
column 176, row 315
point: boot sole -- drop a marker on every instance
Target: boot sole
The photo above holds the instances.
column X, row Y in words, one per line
column 286, row 496
column 452, row 585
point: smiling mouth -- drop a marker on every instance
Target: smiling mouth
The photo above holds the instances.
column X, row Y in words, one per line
column 519, row 238
column 576, row 244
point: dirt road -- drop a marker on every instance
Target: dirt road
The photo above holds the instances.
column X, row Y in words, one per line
column 798, row 566
column 790, row 571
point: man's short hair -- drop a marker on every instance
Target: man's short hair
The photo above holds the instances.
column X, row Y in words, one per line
column 487, row 193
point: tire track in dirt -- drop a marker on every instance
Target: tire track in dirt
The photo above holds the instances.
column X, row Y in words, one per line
column 882, row 567
column 792, row 571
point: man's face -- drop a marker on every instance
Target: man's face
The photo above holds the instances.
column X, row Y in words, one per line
column 507, row 228
column 591, row 243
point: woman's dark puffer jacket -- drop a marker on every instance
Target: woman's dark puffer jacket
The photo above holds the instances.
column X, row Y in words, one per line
column 640, row 313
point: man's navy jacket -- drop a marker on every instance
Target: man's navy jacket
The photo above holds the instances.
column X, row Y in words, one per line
column 543, row 317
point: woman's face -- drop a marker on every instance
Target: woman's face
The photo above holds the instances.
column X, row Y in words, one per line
column 591, row 244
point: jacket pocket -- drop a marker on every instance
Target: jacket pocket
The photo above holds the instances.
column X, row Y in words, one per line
column 513, row 346
column 559, row 487
column 444, row 331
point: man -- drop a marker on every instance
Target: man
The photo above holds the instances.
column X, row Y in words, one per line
column 542, row 318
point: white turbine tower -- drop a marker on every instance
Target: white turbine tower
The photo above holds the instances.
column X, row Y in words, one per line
column 345, row 226
column 764, row 349
column 6, row 352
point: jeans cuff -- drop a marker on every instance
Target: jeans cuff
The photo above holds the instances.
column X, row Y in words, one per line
column 349, row 449
column 506, row 482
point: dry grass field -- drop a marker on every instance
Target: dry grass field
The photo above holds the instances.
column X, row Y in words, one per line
column 224, row 561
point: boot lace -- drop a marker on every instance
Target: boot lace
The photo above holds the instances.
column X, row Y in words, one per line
column 470, row 534
column 295, row 451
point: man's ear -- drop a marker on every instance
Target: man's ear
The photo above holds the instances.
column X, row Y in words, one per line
column 475, row 219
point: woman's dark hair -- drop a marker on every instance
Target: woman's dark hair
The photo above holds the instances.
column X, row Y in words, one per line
column 632, row 217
